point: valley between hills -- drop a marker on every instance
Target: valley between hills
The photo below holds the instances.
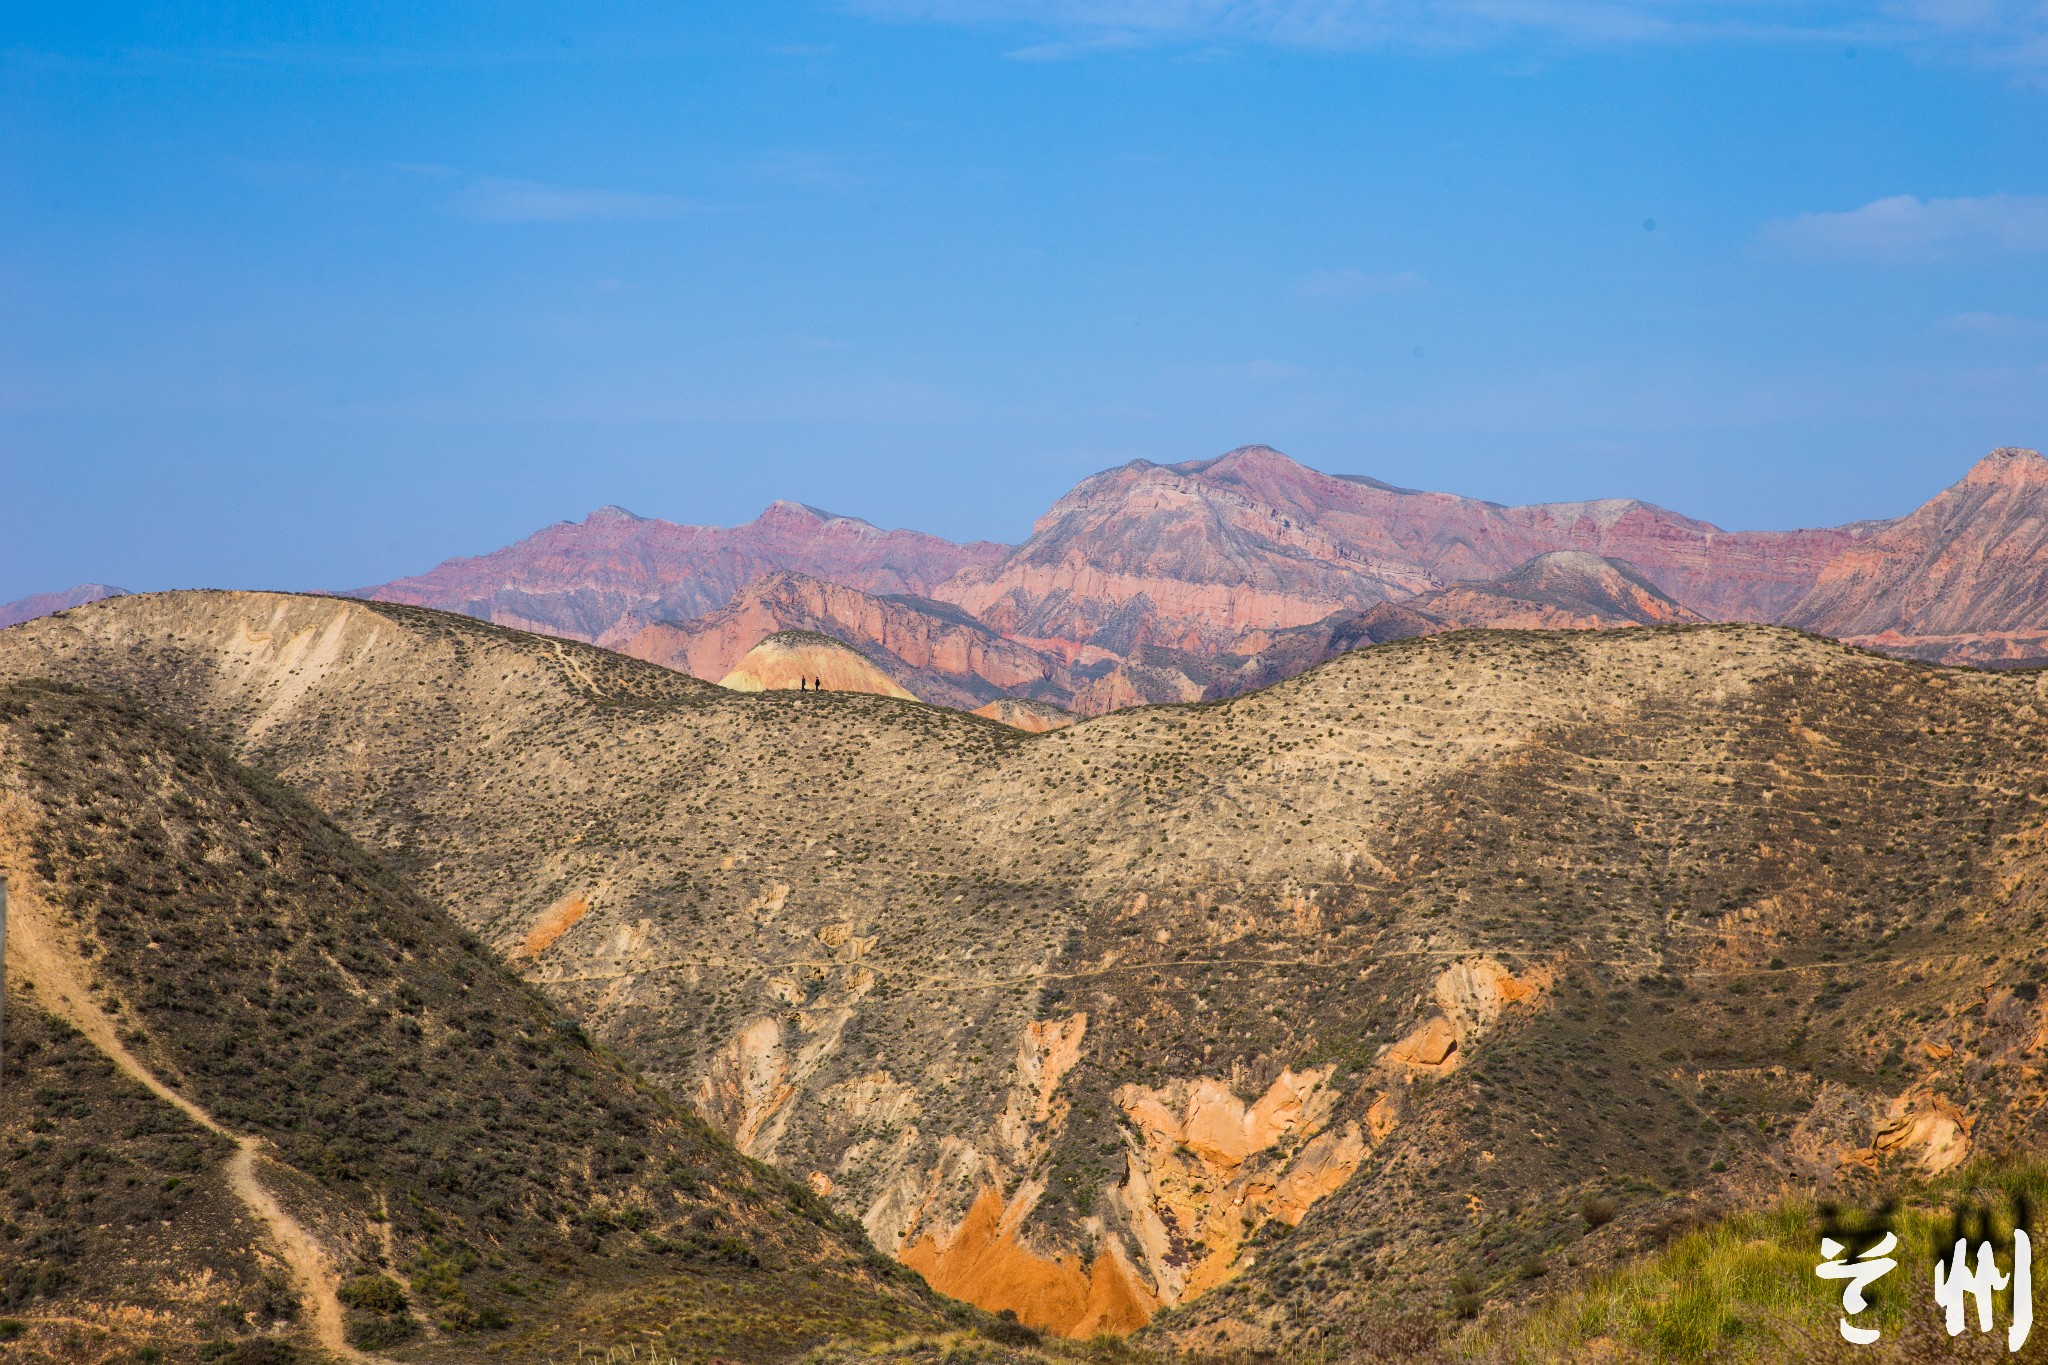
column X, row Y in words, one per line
column 1442, row 977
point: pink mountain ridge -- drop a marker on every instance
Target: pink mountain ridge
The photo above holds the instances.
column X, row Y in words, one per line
column 1197, row 580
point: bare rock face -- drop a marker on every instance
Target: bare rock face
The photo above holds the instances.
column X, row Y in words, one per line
column 602, row 579
column 797, row 660
column 48, row 603
column 1964, row 579
column 944, row 654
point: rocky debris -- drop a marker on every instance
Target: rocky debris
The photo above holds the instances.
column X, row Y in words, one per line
column 791, row 660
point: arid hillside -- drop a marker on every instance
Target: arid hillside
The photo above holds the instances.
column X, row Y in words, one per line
column 1491, row 955
column 258, row 1091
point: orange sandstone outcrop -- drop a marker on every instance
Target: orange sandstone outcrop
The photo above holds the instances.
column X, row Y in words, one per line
column 1471, row 996
column 1212, row 1170
column 1922, row 1127
column 982, row 1261
column 790, row 658
column 560, row 918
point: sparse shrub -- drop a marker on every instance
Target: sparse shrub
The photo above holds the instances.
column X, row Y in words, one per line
column 374, row 1293
column 11, row 1328
column 1598, row 1210
column 262, row 1351
column 1006, row 1330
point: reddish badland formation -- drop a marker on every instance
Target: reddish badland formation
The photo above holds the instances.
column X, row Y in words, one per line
column 1962, row 580
column 1200, row 580
column 605, row 577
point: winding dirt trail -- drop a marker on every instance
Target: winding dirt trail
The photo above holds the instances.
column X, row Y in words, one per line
column 36, row 952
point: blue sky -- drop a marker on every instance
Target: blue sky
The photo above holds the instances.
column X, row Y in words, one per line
column 294, row 297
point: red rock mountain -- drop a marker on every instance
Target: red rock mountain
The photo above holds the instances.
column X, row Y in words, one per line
column 1962, row 580
column 1193, row 555
column 1180, row 582
column 935, row 649
column 1562, row 590
column 605, row 577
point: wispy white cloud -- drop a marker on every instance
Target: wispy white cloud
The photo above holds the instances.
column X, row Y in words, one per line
column 2014, row 31
column 1903, row 228
column 493, row 199
column 1352, row 283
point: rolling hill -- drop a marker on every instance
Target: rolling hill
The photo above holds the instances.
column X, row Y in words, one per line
column 1259, row 1021
column 261, row 1096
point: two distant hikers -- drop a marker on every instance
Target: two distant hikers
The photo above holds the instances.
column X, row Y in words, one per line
column 809, row 684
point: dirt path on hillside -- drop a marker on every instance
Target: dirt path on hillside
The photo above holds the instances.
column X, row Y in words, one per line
column 36, row 952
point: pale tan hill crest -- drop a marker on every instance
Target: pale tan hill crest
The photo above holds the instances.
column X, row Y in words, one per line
column 799, row 660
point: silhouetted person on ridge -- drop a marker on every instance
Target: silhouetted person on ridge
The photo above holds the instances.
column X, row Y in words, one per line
column 803, row 684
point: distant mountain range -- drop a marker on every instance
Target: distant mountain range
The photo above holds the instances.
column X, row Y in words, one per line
column 47, row 603
column 1200, row 580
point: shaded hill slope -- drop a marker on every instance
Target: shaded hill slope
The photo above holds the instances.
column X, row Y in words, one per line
column 1277, row 1012
column 256, row 1085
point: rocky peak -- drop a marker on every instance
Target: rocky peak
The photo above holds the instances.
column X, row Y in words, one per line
column 611, row 514
column 783, row 510
column 2009, row 465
